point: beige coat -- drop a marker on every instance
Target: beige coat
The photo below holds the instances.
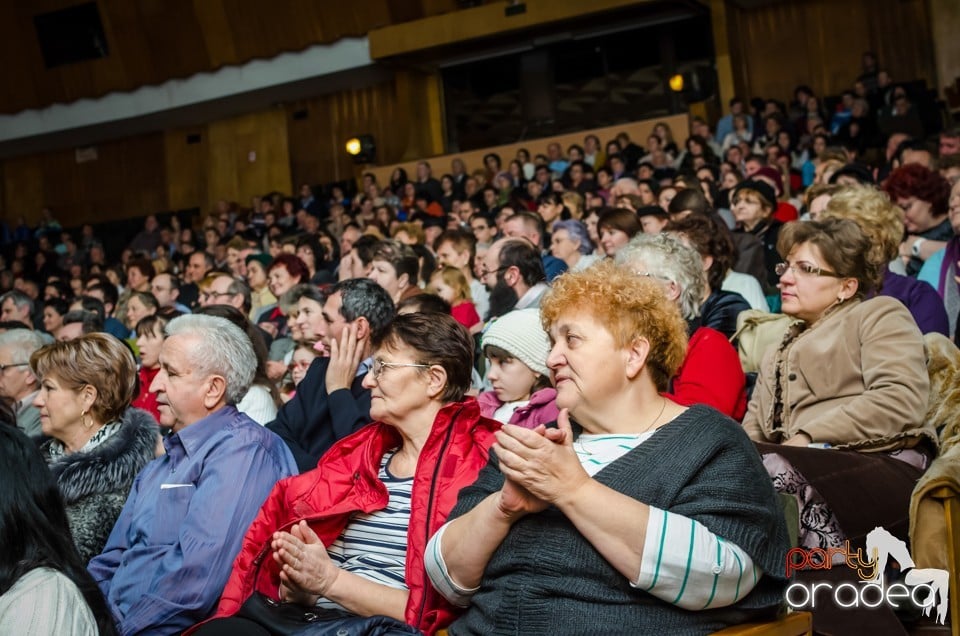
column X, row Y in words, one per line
column 856, row 379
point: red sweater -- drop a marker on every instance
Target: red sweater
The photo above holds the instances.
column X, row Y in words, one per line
column 711, row 374
column 346, row 482
column 147, row 400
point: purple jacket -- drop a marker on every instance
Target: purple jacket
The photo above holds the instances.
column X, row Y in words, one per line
column 921, row 299
column 542, row 408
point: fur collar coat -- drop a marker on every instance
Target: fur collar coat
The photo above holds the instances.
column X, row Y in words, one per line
column 94, row 484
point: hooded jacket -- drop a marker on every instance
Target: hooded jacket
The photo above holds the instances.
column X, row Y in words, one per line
column 542, row 408
column 94, row 484
column 346, row 482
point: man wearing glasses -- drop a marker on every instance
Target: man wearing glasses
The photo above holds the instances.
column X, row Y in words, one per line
column 331, row 402
column 17, row 382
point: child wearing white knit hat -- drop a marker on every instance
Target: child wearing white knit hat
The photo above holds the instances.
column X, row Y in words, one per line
column 516, row 347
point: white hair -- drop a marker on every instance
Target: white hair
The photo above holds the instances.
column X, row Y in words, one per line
column 221, row 348
column 21, row 343
column 668, row 258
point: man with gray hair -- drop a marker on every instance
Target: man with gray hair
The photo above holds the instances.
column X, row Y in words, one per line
column 170, row 552
column 16, row 306
column 18, row 384
column 331, row 401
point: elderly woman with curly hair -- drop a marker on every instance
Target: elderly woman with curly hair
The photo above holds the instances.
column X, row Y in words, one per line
column 867, row 405
column 636, row 514
column 98, row 443
column 882, row 222
column 923, row 196
column 711, row 372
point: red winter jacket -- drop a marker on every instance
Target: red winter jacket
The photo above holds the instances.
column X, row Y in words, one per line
column 711, row 374
column 346, row 482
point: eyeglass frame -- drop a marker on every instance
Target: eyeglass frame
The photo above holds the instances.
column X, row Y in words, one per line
column 484, row 272
column 379, row 365
column 213, row 294
column 4, row 367
column 782, row 267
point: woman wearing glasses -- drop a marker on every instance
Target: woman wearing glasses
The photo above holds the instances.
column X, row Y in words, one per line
column 348, row 538
column 849, row 376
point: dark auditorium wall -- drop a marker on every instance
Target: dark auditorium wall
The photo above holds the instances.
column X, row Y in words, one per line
column 776, row 46
column 126, row 179
column 153, row 41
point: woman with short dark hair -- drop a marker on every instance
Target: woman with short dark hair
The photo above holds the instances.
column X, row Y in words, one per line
column 615, row 228
column 348, row 538
column 396, row 268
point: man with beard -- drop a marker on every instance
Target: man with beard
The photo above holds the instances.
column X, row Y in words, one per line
column 513, row 272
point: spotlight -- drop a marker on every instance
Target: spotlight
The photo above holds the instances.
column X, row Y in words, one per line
column 362, row 148
column 696, row 85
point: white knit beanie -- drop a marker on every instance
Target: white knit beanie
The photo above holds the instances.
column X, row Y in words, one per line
column 520, row 334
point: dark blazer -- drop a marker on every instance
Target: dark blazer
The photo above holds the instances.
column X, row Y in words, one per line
column 314, row 420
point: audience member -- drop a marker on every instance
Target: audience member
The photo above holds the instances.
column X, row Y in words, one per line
column 332, row 402
column 19, row 385
column 335, row 546
column 710, row 373
column 44, row 588
column 535, row 530
column 169, row 554
column 98, row 444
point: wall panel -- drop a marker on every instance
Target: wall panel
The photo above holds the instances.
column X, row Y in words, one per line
column 231, row 173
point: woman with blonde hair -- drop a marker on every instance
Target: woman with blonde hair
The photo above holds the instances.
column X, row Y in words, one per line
column 99, row 443
column 882, row 221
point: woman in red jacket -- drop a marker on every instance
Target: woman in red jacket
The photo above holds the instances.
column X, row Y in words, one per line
column 348, row 537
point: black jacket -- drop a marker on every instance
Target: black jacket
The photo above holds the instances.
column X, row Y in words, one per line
column 314, row 420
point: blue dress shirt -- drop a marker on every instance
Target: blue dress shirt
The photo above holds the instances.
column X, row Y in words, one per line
column 170, row 553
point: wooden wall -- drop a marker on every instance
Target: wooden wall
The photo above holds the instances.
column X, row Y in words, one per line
column 127, row 178
column 820, row 42
column 403, row 116
column 152, row 41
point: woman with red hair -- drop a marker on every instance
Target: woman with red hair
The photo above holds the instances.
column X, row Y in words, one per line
column 923, row 195
column 285, row 272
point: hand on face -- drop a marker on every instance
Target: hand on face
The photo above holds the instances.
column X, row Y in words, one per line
column 345, row 358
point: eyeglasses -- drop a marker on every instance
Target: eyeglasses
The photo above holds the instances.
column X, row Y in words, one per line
column 4, row 367
column 208, row 295
column 379, row 365
column 486, row 272
column 654, row 276
column 803, row 268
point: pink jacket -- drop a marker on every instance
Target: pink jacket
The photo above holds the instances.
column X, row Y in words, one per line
column 541, row 409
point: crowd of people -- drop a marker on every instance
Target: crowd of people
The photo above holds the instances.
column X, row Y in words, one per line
column 505, row 400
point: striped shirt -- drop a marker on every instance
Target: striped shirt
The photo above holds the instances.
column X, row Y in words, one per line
column 683, row 562
column 374, row 545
